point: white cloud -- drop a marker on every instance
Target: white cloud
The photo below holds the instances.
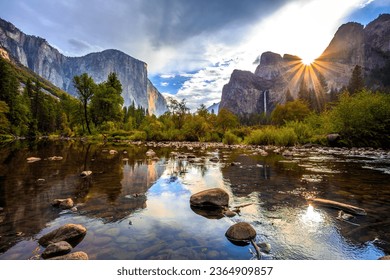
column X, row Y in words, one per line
column 164, row 84
column 302, row 28
column 167, row 76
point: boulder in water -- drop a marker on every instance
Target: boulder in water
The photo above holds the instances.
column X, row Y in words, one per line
column 72, row 256
column 56, row 249
column 65, row 203
column 215, row 197
column 241, row 233
column 85, row 174
column 71, row 233
column 33, row 159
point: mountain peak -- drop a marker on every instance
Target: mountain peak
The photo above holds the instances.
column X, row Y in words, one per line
column 38, row 55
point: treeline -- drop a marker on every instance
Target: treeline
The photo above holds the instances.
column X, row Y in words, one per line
column 360, row 117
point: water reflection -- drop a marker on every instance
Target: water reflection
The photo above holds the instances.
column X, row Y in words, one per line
column 137, row 208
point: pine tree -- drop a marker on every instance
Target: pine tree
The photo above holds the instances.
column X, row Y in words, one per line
column 289, row 97
column 356, row 83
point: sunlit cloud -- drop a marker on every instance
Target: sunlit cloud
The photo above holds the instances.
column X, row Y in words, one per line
column 302, row 28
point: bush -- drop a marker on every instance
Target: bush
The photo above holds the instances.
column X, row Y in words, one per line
column 363, row 119
column 230, row 138
column 284, row 136
column 296, row 110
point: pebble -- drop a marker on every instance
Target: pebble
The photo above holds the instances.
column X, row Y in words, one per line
column 213, row 254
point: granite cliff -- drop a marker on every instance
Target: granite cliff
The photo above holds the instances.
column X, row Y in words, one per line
column 37, row 54
column 353, row 44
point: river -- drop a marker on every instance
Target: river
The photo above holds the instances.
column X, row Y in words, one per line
column 137, row 207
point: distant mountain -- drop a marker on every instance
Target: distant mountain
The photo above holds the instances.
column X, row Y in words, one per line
column 36, row 54
column 213, row 109
column 353, row 44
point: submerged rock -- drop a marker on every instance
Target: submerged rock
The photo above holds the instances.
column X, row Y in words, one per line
column 150, row 153
column 240, row 233
column 229, row 213
column 56, row 249
column 215, row 197
column 66, row 203
column 71, row 233
column 54, row 158
column 85, row 174
column 72, row 256
column 33, row 159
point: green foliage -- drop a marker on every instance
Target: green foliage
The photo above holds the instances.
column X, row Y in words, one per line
column 269, row 135
column 85, row 87
column 363, row 119
column 230, row 138
column 356, row 83
column 107, row 101
column 291, row 111
column 226, row 120
column 4, row 123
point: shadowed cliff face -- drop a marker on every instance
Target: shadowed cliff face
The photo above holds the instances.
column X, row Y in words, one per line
column 353, row 44
column 36, row 54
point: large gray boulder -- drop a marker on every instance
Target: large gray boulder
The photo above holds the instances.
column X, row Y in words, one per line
column 215, row 197
column 71, row 233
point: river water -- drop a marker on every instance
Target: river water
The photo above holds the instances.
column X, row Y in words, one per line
column 137, row 207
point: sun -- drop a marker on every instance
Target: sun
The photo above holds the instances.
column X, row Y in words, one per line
column 307, row 60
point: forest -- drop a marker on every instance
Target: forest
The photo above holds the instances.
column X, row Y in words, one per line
column 30, row 108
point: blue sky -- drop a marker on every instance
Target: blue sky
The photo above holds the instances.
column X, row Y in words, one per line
column 192, row 46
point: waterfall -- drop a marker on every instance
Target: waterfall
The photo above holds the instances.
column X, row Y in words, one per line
column 265, row 102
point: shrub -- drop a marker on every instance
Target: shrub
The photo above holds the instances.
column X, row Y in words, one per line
column 363, row 119
column 284, row 136
column 230, row 138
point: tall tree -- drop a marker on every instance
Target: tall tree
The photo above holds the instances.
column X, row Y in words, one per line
column 304, row 93
column 289, row 97
column 107, row 101
column 85, row 87
column 356, row 83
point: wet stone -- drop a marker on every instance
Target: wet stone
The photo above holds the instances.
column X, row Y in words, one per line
column 72, row 233
column 213, row 254
column 33, row 159
column 113, row 232
column 241, row 231
column 101, row 241
column 85, row 174
column 212, row 197
column 56, row 249
column 66, row 203
column 72, row 256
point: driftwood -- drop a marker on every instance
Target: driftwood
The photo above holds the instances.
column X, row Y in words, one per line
column 338, row 205
column 238, row 207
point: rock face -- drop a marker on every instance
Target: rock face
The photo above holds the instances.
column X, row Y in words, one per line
column 245, row 93
column 353, row 44
column 36, row 54
column 70, row 233
column 210, row 198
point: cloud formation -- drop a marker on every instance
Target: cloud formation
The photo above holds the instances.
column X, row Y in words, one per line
column 194, row 44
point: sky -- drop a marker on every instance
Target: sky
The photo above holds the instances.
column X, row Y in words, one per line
column 191, row 46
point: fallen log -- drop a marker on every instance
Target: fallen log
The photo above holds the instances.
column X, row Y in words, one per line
column 338, row 205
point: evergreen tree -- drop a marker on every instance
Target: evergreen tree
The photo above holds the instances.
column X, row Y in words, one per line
column 289, row 97
column 107, row 101
column 356, row 83
column 304, row 93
